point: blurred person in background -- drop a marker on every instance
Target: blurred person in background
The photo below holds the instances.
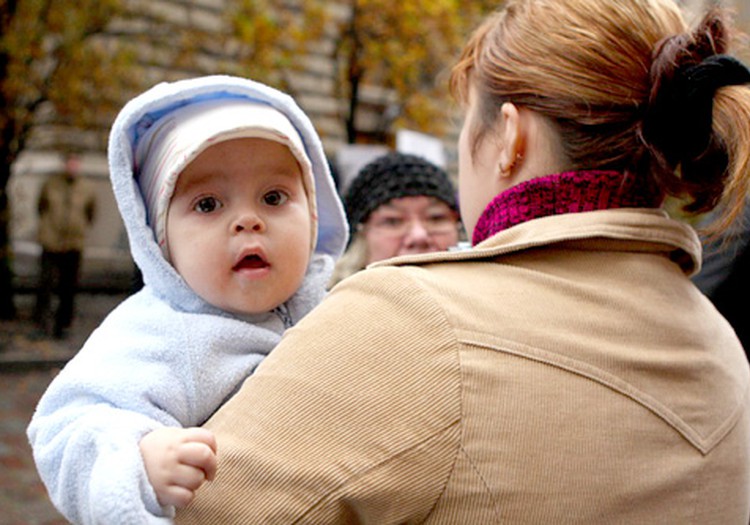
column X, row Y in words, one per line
column 398, row 204
column 725, row 276
column 67, row 207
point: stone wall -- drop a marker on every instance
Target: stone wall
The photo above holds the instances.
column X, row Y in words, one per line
column 313, row 87
column 107, row 259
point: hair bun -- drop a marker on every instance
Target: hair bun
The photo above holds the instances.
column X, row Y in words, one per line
column 679, row 119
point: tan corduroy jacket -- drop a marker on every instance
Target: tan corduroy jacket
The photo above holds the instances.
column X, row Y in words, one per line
column 564, row 371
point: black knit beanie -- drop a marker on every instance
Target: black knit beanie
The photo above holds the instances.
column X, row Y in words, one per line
column 393, row 176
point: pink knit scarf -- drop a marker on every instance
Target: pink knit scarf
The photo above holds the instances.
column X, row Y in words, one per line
column 568, row 192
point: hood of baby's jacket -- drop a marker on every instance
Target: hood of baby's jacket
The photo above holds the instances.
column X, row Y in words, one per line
column 137, row 115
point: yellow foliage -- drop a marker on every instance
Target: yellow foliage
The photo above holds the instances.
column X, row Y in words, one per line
column 53, row 53
column 404, row 46
column 407, row 46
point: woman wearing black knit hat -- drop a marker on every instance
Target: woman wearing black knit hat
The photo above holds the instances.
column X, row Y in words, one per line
column 398, row 204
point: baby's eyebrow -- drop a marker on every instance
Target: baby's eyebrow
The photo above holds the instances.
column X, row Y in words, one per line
column 197, row 180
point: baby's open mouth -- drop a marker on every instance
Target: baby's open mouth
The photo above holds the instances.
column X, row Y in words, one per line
column 251, row 262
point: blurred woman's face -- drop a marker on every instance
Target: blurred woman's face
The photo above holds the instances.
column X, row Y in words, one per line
column 409, row 225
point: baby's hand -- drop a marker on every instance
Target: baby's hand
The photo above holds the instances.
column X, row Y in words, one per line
column 178, row 461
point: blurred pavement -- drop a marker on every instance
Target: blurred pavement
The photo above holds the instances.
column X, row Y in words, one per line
column 29, row 360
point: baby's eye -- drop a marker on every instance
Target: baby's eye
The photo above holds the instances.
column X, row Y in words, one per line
column 207, row 205
column 275, row 198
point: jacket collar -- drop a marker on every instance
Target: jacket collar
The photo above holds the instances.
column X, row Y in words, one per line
column 633, row 229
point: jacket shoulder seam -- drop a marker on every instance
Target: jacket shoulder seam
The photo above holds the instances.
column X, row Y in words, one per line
column 392, row 457
column 704, row 443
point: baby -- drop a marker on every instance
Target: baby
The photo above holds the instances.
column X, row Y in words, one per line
column 234, row 222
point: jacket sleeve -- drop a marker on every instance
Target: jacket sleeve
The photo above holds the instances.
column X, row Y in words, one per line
column 356, row 409
column 88, row 457
column 145, row 367
column 86, row 428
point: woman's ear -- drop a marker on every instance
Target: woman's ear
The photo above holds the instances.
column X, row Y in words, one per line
column 511, row 138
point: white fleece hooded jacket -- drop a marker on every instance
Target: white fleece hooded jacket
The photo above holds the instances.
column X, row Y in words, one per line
column 164, row 357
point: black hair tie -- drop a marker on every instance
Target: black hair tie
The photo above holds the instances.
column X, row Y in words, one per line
column 679, row 120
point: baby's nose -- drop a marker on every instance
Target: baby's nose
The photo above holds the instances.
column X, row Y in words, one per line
column 248, row 221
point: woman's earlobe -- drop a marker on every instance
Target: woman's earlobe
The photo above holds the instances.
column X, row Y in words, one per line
column 506, row 167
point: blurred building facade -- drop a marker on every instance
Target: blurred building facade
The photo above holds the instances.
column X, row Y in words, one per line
column 107, row 261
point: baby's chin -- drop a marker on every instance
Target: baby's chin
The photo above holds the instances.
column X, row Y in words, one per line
column 254, row 311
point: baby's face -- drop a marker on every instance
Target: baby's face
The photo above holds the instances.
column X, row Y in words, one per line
column 239, row 227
